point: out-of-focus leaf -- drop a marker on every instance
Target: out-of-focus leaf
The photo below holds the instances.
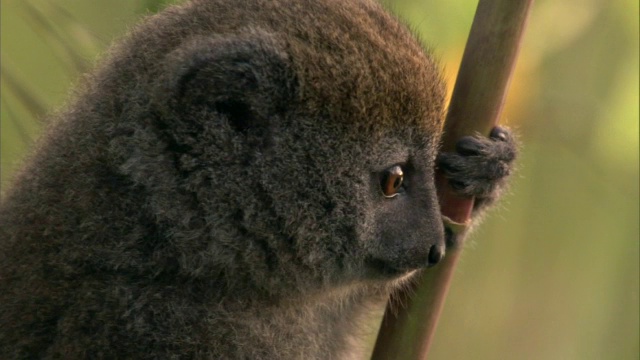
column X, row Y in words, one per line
column 14, row 120
column 27, row 97
column 61, row 45
column 155, row 5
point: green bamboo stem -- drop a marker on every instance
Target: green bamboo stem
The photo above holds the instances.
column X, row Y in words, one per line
column 478, row 98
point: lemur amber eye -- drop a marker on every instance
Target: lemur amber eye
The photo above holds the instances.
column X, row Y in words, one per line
column 391, row 181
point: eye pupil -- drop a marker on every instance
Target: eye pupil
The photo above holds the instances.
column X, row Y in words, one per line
column 392, row 179
column 397, row 183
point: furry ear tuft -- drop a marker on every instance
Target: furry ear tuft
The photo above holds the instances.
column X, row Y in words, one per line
column 247, row 78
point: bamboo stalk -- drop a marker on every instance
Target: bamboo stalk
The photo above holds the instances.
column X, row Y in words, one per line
column 478, row 98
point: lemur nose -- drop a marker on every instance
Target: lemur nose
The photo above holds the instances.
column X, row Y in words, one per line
column 436, row 253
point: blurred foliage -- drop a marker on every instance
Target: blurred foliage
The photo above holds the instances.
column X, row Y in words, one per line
column 552, row 275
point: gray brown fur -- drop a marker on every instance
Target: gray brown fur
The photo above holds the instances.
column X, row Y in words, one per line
column 213, row 190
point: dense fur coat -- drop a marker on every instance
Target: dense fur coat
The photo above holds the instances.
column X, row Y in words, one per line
column 213, row 190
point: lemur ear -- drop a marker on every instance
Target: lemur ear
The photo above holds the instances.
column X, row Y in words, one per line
column 247, row 78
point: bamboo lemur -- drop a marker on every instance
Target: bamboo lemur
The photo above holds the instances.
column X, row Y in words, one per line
column 238, row 179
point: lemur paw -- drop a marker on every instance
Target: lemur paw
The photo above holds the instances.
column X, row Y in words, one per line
column 480, row 165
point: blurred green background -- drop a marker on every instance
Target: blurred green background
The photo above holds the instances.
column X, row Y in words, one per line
column 553, row 273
